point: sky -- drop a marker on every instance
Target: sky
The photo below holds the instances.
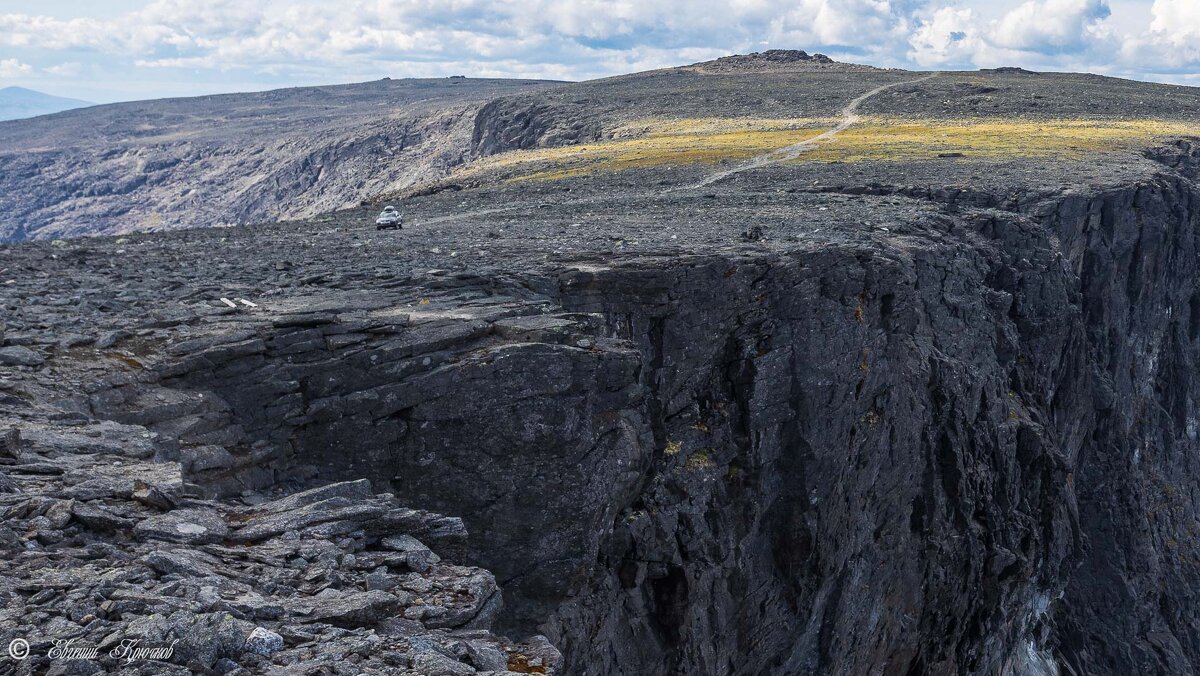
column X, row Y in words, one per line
column 119, row 50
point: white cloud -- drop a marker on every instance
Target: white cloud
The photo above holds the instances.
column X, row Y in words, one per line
column 229, row 34
column 950, row 36
column 304, row 41
column 1048, row 26
column 12, row 68
column 1066, row 35
column 1173, row 43
column 1176, row 20
column 68, row 69
column 848, row 23
column 1034, row 32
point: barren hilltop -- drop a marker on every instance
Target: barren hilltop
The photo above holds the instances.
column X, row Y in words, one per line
column 765, row 365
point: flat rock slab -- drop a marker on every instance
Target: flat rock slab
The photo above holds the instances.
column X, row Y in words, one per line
column 185, row 562
column 18, row 355
column 350, row 610
column 190, row 526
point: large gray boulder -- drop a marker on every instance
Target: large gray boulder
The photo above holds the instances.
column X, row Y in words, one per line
column 19, row 355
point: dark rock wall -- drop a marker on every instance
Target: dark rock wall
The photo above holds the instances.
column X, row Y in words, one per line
column 521, row 123
column 871, row 470
column 1133, row 606
column 962, row 446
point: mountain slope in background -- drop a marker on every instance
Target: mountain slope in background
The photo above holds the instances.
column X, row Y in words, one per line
column 18, row 102
column 233, row 158
column 296, row 153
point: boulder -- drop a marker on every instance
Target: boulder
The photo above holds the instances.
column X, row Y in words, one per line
column 190, row 526
column 418, row 556
column 10, row 444
column 356, row 609
column 182, row 562
column 264, row 642
column 19, row 355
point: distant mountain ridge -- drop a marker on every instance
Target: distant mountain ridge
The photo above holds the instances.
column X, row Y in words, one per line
column 17, row 103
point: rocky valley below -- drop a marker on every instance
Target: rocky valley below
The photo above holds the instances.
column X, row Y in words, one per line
column 768, row 365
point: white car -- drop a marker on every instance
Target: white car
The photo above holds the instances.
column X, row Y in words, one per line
column 389, row 219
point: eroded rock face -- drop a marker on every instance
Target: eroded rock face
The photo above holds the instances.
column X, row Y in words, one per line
column 818, row 441
column 552, row 415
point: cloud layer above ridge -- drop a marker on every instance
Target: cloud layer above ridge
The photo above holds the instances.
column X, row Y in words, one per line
column 172, row 47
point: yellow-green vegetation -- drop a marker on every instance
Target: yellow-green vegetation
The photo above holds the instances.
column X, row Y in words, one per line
column 699, row 460
column 882, row 139
column 656, row 142
column 1014, row 406
column 673, row 448
column 660, row 128
column 653, row 142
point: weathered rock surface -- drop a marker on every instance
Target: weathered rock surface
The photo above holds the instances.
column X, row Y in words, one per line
column 20, row 356
column 112, row 573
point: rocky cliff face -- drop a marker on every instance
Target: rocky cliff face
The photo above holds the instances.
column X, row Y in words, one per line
column 967, row 446
column 1131, row 606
